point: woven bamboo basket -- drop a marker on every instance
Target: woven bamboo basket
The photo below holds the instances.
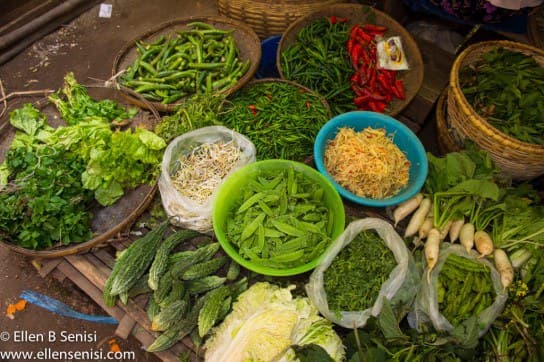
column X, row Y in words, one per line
column 535, row 27
column 517, row 159
column 357, row 13
column 448, row 140
column 269, row 18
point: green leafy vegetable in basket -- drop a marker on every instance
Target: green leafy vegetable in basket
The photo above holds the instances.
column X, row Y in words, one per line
column 280, row 118
column 50, row 176
column 506, row 88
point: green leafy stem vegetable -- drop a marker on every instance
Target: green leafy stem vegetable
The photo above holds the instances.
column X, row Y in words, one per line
column 280, row 220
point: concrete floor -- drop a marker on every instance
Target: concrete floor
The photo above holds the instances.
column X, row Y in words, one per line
column 87, row 46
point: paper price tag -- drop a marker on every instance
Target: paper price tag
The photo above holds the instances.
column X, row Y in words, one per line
column 105, row 11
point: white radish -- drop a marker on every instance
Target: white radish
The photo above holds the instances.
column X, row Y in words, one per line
column 407, row 207
column 425, row 228
column 483, row 243
column 455, row 229
column 445, row 229
column 418, row 218
column 431, row 249
column 466, row 236
column 504, row 266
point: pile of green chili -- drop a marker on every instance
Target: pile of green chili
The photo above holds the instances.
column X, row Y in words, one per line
column 507, row 89
column 201, row 59
column 354, row 278
column 281, row 119
column 319, row 60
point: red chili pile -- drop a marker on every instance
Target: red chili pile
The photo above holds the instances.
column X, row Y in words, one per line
column 374, row 88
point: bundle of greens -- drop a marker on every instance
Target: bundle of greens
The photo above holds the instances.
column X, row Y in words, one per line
column 50, row 176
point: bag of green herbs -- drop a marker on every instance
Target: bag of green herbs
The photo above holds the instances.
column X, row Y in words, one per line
column 193, row 167
column 462, row 298
column 368, row 263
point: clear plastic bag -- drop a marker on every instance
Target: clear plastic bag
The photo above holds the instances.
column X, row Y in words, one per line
column 426, row 308
column 400, row 288
column 183, row 211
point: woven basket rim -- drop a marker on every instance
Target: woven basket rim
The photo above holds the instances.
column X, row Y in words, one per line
column 467, row 109
column 536, row 32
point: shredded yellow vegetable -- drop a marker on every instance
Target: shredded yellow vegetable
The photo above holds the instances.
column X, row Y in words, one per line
column 367, row 163
column 204, row 169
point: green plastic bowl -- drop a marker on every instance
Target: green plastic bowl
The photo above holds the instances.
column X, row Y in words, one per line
column 234, row 186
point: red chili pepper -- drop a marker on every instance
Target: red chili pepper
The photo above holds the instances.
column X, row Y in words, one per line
column 333, row 19
column 377, row 29
column 349, row 45
column 382, row 79
column 355, row 55
column 361, row 100
column 380, row 107
column 253, row 109
column 399, row 86
column 365, row 37
column 353, row 31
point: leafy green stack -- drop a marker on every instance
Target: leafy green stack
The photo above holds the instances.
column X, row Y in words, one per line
column 187, row 294
column 507, row 89
column 50, row 176
column 280, row 118
column 201, row 59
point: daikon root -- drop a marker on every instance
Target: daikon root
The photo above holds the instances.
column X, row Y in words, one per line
column 483, row 243
column 466, row 236
column 406, row 208
column 418, row 217
column 445, row 229
column 432, row 248
column 455, row 229
column 504, row 266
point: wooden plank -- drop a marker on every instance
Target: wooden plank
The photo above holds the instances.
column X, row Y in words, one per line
column 89, row 288
column 48, row 266
column 125, row 327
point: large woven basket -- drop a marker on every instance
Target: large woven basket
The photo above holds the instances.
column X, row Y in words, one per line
column 357, row 13
column 448, row 141
column 517, row 159
column 269, row 18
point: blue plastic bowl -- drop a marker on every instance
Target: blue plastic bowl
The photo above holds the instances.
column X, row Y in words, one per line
column 403, row 137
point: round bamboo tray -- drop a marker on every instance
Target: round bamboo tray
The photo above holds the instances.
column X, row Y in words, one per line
column 535, row 27
column 269, row 18
column 448, row 141
column 246, row 40
column 108, row 222
column 517, row 159
column 356, row 13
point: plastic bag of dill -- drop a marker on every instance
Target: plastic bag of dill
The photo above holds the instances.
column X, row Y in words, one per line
column 193, row 167
column 366, row 265
column 461, row 299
